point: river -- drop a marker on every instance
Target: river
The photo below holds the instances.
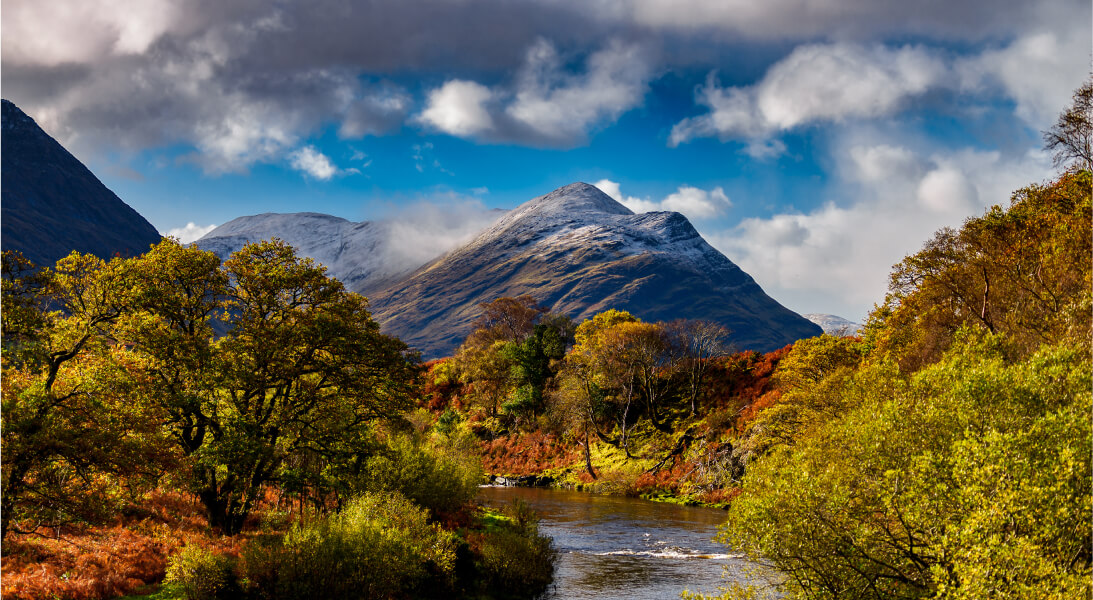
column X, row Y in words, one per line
column 626, row 548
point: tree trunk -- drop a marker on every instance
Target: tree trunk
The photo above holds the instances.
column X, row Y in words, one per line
column 588, row 455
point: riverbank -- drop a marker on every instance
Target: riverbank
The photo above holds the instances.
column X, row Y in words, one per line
column 671, row 481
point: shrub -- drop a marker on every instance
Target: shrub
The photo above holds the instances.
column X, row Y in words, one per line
column 201, row 575
column 438, row 480
column 380, row 545
column 515, row 560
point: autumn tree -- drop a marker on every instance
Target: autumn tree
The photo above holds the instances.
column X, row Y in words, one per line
column 1071, row 138
column 75, row 433
column 694, row 344
column 1022, row 271
column 508, row 319
column 301, row 371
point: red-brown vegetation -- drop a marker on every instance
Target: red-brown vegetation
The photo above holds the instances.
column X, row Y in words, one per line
column 123, row 557
column 526, row 454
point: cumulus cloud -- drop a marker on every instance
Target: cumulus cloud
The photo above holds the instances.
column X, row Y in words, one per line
column 191, row 232
column 309, row 161
column 815, row 83
column 245, row 82
column 843, row 81
column 546, row 104
column 836, row 258
column 693, row 202
column 1038, row 70
column 459, row 108
column 73, row 31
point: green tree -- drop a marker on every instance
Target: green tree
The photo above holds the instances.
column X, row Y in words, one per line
column 287, row 392
column 74, row 434
column 970, row 480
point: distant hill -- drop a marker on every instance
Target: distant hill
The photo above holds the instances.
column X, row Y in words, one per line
column 360, row 255
column 575, row 250
column 580, row 252
column 51, row 204
column 834, row 325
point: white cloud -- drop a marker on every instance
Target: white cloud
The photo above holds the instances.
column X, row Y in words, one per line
column 310, row 161
column 546, row 104
column 815, row 83
column 841, row 81
column 1039, row 70
column 556, row 105
column 836, row 258
column 693, row 202
column 459, row 108
column 191, row 232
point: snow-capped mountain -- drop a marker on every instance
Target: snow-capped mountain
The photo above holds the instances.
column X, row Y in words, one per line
column 358, row 254
column 364, row 256
column 580, row 252
column 833, row 324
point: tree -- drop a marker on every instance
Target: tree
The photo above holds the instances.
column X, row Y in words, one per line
column 301, row 371
column 1023, row 271
column 1071, row 138
column 970, row 480
column 74, row 434
column 695, row 344
column 508, row 319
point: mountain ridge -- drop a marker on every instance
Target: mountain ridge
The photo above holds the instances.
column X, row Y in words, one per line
column 53, row 204
column 580, row 252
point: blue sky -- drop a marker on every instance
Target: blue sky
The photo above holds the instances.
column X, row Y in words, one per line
column 814, row 142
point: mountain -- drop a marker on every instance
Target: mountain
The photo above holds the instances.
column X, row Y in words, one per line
column 360, row 255
column 580, row 252
column 52, row 204
column 833, row 324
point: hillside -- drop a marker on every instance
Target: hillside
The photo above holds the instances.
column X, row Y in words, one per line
column 53, row 204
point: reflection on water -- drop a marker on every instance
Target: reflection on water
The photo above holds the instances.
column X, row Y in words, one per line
column 626, row 548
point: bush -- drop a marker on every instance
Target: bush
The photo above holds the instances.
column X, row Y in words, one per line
column 380, row 545
column 438, row 480
column 515, row 560
column 201, row 575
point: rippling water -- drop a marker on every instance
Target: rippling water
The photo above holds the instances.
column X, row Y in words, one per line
column 626, row 548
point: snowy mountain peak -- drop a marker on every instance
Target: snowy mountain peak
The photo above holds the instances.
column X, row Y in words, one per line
column 572, row 199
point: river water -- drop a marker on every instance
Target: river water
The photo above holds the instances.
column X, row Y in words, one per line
column 626, row 548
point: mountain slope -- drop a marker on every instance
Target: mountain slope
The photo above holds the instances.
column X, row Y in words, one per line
column 360, row 255
column 579, row 252
column 834, row 324
column 52, row 204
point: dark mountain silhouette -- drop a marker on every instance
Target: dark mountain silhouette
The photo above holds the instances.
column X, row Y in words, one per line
column 51, row 204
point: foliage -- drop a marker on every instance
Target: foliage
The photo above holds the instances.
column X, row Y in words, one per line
column 201, row 575
column 293, row 383
column 514, row 560
column 76, row 437
column 380, row 545
column 438, row 480
column 1017, row 271
column 969, row 477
